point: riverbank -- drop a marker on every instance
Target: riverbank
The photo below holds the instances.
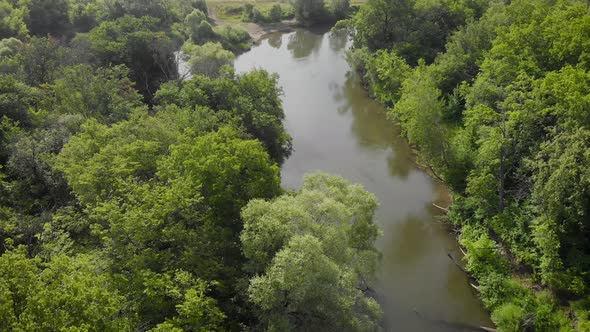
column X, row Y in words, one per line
column 255, row 30
column 506, row 286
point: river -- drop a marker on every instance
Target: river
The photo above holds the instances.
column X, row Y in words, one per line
column 337, row 128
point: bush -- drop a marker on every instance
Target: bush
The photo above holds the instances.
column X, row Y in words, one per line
column 252, row 14
column 207, row 59
column 340, row 8
column 247, row 12
column 509, row 317
column 201, row 5
column 483, row 257
column 232, row 38
column 233, row 10
column 276, row 13
column 494, row 290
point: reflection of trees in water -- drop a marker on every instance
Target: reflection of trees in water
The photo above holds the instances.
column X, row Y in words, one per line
column 338, row 40
column 371, row 126
column 302, row 43
column 275, row 40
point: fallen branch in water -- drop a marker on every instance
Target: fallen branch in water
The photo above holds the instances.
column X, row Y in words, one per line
column 456, row 263
column 440, row 207
column 464, row 271
column 488, row 329
column 462, row 251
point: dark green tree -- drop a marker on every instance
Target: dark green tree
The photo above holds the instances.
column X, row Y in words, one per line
column 139, row 44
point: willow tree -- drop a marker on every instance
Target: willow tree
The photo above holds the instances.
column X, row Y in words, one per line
column 312, row 255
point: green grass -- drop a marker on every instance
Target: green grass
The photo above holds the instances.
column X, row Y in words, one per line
column 223, row 8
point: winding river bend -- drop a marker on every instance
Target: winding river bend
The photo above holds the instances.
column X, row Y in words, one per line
column 336, row 128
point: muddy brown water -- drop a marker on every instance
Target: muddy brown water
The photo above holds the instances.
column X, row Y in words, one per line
column 337, row 128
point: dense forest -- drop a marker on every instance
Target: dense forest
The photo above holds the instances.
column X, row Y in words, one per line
column 495, row 96
column 140, row 174
column 135, row 197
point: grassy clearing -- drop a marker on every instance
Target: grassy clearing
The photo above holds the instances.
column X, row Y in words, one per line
column 232, row 11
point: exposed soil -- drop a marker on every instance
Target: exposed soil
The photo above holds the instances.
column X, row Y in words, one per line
column 257, row 31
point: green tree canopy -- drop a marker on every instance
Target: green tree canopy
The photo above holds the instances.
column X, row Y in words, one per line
column 68, row 292
column 252, row 98
column 312, row 253
column 141, row 46
column 207, row 59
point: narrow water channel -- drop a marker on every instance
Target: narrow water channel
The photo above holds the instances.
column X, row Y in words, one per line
column 336, row 128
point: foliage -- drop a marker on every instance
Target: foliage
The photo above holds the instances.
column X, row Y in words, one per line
column 197, row 312
column 67, row 292
column 251, row 13
column 501, row 114
column 312, row 251
column 13, row 17
column 207, row 59
column 9, row 47
column 253, row 98
column 386, row 72
column 138, row 44
column 561, row 192
column 275, row 13
column 170, row 191
column 339, row 8
column 39, row 60
column 261, row 13
column 199, row 29
column 232, row 38
column 413, row 31
column 309, row 12
column 18, row 100
column 121, row 184
column 48, row 17
column 105, row 94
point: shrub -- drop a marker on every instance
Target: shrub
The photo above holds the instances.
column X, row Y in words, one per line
column 207, row 59
column 276, row 13
column 509, row 317
column 233, row 39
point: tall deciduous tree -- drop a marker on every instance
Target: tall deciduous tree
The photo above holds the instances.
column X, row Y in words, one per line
column 253, row 99
column 313, row 254
column 141, row 46
column 13, row 17
column 70, row 293
column 48, row 17
column 207, row 59
column 309, row 11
